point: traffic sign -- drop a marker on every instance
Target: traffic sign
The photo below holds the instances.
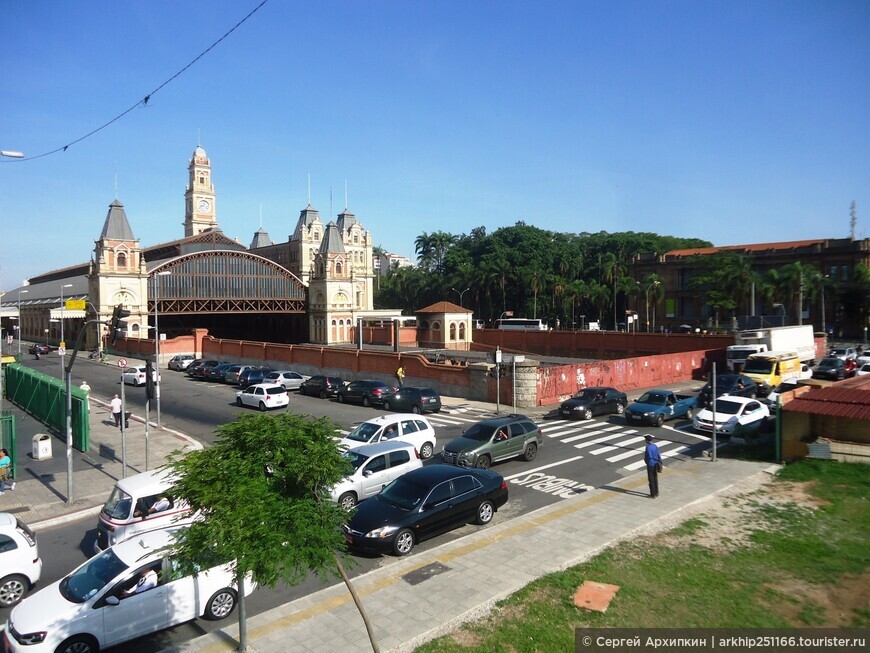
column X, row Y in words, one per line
column 122, row 363
column 61, row 351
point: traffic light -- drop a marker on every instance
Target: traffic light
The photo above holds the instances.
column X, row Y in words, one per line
column 117, row 326
column 502, row 370
column 149, row 380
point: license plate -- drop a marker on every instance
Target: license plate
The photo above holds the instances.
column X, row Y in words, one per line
column 635, row 417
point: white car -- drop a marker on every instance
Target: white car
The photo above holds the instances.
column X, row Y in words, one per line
column 414, row 429
column 137, row 375
column 20, row 564
column 806, row 372
column 93, row 607
column 845, row 353
column 863, row 370
column 374, row 466
column 734, row 416
column 263, row 396
column 290, row 380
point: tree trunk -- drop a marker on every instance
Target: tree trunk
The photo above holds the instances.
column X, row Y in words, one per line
column 359, row 605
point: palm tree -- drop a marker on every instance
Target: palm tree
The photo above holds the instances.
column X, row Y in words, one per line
column 533, row 278
column 794, row 275
column 599, row 295
column 652, row 283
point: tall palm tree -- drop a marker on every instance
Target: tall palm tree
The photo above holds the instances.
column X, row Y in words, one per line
column 534, row 279
column 599, row 295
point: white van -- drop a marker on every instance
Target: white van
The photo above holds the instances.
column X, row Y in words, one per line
column 139, row 503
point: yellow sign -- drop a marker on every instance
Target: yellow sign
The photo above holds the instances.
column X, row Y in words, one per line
column 75, row 304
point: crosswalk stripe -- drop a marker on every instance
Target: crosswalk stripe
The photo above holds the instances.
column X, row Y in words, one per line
column 593, row 441
column 449, row 421
column 665, row 454
column 616, row 445
column 627, row 454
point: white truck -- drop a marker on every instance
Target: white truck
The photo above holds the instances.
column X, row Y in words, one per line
column 799, row 339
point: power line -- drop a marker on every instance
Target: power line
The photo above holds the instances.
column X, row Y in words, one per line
column 144, row 101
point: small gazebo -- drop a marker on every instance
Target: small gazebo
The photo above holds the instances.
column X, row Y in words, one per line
column 444, row 325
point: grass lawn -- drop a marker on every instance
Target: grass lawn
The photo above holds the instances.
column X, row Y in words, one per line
column 793, row 554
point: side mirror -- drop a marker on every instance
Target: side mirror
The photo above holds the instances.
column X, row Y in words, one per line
column 112, row 600
column 367, row 473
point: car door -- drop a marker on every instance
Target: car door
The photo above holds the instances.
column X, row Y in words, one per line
column 753, row 414
column 436, row 512
column 465, row 498
column 373, row 476
column 501, row 443
column 398, row 463
column 410, row 432
column 134, row 615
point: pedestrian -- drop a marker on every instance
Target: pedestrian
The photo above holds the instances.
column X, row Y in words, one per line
column 117, row 410
column 400, row 375
column 6, row 482
column 653, row 460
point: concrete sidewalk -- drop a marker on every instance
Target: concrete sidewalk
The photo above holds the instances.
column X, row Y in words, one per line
column 430, row 593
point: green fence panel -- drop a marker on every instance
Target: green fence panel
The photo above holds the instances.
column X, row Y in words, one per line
column 44, row 397
column 7, row 436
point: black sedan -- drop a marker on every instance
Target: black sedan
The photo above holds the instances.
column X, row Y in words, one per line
column 831, row 368
column 594, row 401
column 732, row 385
column 321, row 386
column 414, row 400
column 423, row 503
column 366, row 392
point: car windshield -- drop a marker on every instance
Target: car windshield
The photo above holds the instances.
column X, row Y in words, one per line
column 479, row 432
column 119, row 504
column 357, row 460
column 90, row 578
column 726, row 407
column 785, row 387
column 830, row 362
column 758, row 366
column 364, row 432
column 404, row 494
column 652, row 399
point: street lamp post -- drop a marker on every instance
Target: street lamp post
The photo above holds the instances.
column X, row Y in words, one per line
column 165, row 273
column 461, row 293
column 20, row 292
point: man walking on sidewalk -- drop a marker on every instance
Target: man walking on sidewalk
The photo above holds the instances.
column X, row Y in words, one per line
column 653, row 460
column 117, row 410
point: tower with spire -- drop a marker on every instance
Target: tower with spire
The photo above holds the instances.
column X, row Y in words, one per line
column 200, row 211
column 117, row 274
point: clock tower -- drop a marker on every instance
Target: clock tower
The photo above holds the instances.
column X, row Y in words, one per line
column 199, row 200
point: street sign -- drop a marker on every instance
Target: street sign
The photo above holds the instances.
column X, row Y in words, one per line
column 61, row 351
column 75, row 304
column 122, row 363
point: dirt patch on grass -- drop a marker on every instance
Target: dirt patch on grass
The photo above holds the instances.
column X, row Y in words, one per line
column 832, row 605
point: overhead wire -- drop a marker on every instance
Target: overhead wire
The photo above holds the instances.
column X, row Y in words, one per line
column 144, row 101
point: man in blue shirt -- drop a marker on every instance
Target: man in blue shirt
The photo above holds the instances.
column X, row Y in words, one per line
column 653, row 460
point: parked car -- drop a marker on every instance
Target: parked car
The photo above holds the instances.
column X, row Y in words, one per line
column 843, row 353
column 728, row 385
column 773, row 397
column 217, row 372
column 20, row 564
column 253, row 375
column 417, row 431
column 833, row 369
column 655, row 406
column 366, row 392
column 321, row 386
column 734, row 416
column 594, row 401
column 423, row 503
column 493, row 440
column 193, row 370
column 263, row 396
column 863, row 370
column 180, row 362
column 289, row 379
column 411, row 399
column 234, row 373
column 93, row 608
column 374, row 466
column 39, row 349
column 137, row 375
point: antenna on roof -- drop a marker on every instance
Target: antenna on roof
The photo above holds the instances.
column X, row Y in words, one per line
column 345, row 193
column 309, row 189
column 330, row 202
column 198, row 137
column 261, row 215
column 853, row 219
column 116, row 180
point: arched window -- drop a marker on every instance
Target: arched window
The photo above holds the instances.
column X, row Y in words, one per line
column 453, row 330
column 338, row 268
column 122, row 261
column 462, row 330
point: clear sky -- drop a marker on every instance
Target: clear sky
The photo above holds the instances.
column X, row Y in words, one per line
column 735, row 122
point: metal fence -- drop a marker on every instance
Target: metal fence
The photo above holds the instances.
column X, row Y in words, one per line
column 44, row 397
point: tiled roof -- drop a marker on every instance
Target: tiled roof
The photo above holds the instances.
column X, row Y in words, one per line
column 444, row 307
column 849, row 399
column 756, row 247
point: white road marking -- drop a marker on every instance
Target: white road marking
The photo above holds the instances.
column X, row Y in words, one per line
column 538, row 469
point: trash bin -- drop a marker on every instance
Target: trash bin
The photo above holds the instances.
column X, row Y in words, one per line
column 41, row 446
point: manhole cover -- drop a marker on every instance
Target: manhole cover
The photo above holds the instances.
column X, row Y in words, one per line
column 424, row 573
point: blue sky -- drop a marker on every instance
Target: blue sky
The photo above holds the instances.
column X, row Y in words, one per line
column 735, row 122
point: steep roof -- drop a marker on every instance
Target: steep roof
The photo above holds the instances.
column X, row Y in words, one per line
column 346, row 220
column 116, row 226
column 444, row 307
column 332, row 243
column 307, row 217
column 849, row 399
column 261, row 239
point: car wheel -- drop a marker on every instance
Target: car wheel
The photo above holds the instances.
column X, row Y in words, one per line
column 387, row 406
column 404, row 542
column 427, row 450
column 347, row 500
column 620, row 409
column 587, row 413
column 483, row 462
column 416, row 410
column 530, row 452
column 323, row 394
column 220, row 605
column 262, row 407
column 690, row 413
column 239, row 401
column 660, row 419
column 78, row 644
column 341, row 399
column 12, row 590
column 485, row 513
column 366, row 402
